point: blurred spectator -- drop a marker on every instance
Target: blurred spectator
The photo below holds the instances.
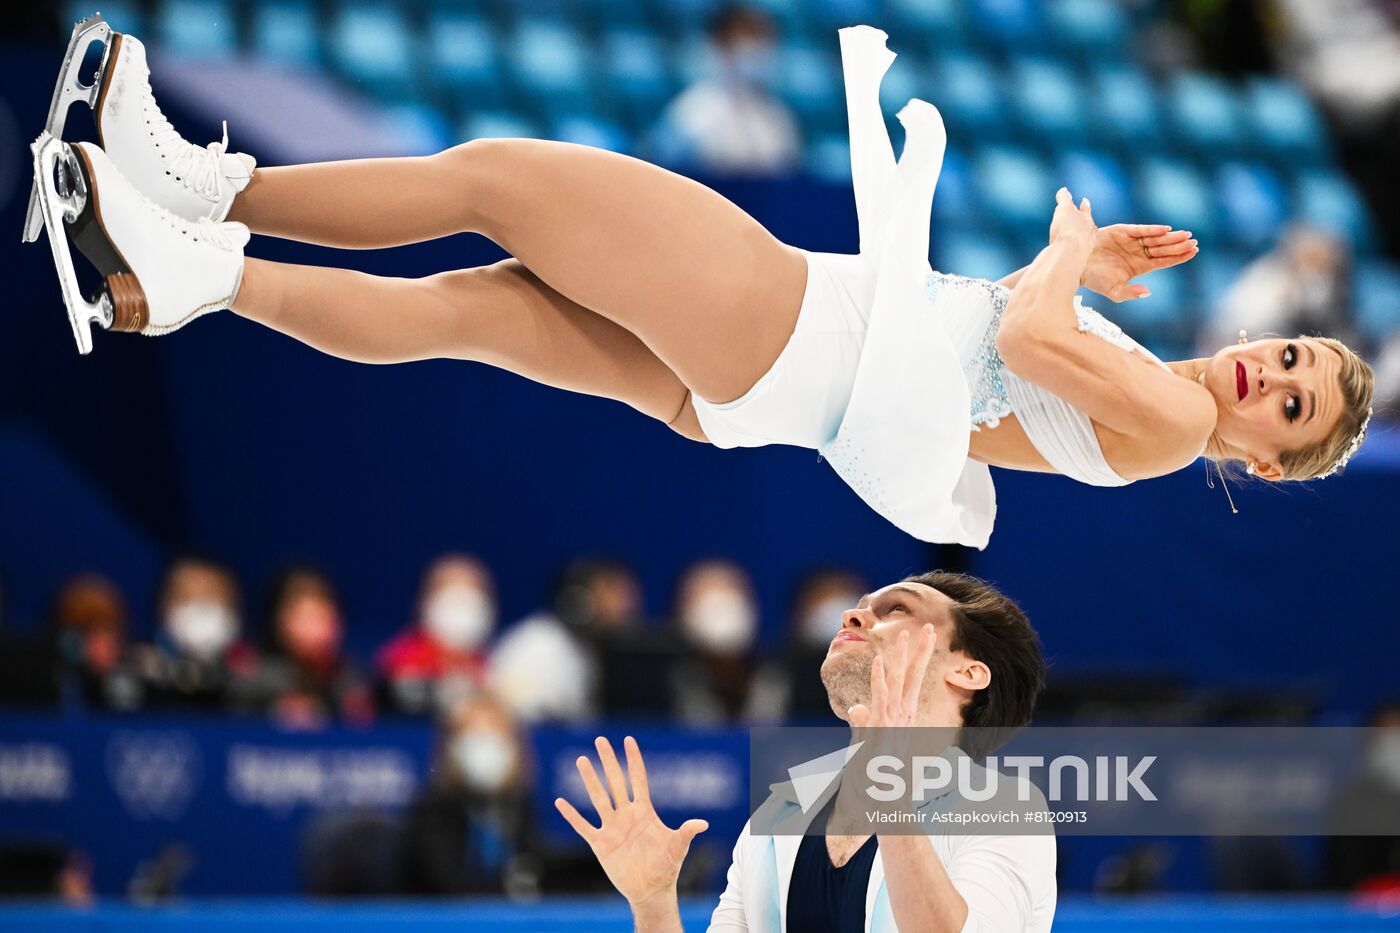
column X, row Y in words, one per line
column 731, row 121
column 1387, row 363
column 1356, row 861
column 470, row 830
column 443, row 656
column 41, row 870
column 304, row 679
column 718, row 681
column 548, row 665
column 89, row 621
column 198, row 652
column 817, row 606
column 1302, row 286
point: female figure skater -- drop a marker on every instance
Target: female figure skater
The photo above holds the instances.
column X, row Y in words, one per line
column 636, row 284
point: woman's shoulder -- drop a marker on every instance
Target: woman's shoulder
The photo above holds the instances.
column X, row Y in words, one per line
column 1174, row 439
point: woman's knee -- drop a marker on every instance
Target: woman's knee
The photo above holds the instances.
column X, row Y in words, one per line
column 479, row 173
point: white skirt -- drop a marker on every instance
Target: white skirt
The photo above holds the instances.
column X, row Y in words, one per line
column 804, row 395
column 873, row 374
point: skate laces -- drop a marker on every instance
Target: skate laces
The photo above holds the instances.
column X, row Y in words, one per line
column 199, row 169
column 223, row 234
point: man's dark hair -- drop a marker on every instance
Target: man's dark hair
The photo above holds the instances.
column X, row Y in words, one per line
column 739, row 19
column 989, row 627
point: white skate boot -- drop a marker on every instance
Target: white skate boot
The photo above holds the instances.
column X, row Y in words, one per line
column 181, row 177
column 187, row 180
column 159, row 271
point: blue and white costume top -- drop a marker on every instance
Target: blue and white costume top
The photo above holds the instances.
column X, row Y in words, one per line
column 892, row 364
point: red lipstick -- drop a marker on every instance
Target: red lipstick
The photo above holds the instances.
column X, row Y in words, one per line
column 1241, row 380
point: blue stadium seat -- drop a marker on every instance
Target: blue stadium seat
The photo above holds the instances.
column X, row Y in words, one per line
column 1376, row 291
column 635, row 75
column 202, row 28
column 422, row 129
column 954, row 202
column 119, row 14
column 1088, row 28
column 591, row 131
column 1125, row 109
column 1103, row 180
column 498, row 124
column 1046, row 99
column 1328, row 199
column 1165, row 321
column 1214, row 270
column 1253, row 203
column 973, row 254
column 828, row 158
column 1013, row 187
column 810, row 82
column 965, row 89
column 286, row 31
column 685, row 19
column 613, row 14
column 1172, row 192
column 1204, row 113
column 1284, row 121
column 926, row 23
column 373, row 46
column 462, row 56
column 826, row 16
column 551, row 66
column 906, row 79
column 1010, row 23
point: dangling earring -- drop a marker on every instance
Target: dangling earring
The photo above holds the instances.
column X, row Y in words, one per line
column 1250, row 468
column 1224, row 485
column 1244, row 336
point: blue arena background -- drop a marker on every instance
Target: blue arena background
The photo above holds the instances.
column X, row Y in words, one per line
column 241, row 442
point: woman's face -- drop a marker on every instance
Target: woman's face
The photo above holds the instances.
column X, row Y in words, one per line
column 1273, row 396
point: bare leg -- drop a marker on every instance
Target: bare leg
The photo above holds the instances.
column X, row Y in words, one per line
column 711, row 292
column 502, row 315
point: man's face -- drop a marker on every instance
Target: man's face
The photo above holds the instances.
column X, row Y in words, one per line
column 872, row 628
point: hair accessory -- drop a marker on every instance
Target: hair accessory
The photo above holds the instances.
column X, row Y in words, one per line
column 1351, row 450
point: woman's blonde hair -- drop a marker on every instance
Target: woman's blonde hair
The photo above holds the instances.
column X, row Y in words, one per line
column 1357, row 383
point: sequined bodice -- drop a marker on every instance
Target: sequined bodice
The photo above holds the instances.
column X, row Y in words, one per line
column 983, row 367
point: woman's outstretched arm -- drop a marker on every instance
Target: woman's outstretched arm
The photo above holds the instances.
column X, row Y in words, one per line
column 1040, row 340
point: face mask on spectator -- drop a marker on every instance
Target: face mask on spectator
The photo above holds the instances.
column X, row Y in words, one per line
column 201, row 628
column 484, row 759
column 459, row 617
column 823, row 620
column 720, row 620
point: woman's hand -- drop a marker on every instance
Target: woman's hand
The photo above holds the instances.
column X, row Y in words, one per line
column 1123, row 252
column 640, row 855
column 1073, row 225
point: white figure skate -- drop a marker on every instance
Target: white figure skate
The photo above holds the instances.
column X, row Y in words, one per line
column 192, row 182
column 159, row 271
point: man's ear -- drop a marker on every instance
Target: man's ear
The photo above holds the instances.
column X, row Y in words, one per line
column 969, row 675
